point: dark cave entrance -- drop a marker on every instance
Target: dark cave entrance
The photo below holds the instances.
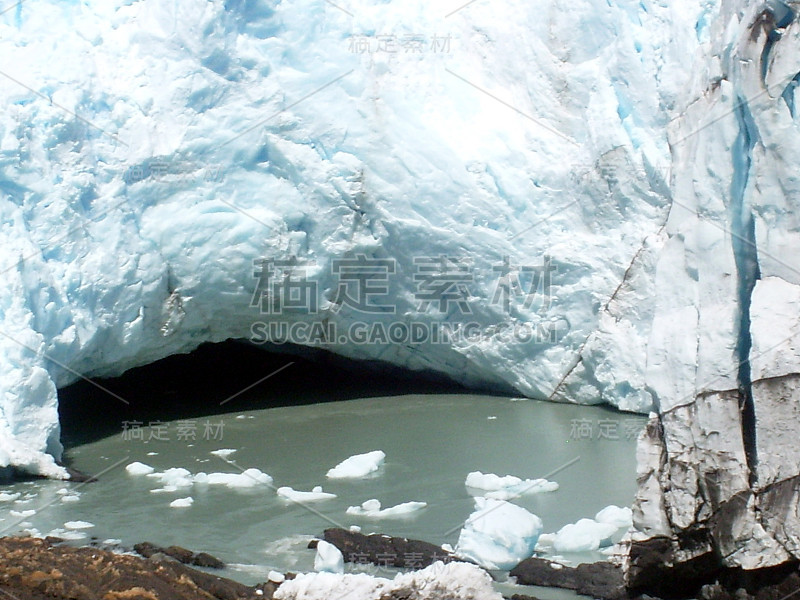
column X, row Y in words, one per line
column 228, row 377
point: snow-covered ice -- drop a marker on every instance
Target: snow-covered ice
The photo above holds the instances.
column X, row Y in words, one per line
column 453, row 580
column 156, row 266
column 358, row 466
column 499, row 534
column 328, row 558
column 135, row 200
column 372, row 509
column 315, row 495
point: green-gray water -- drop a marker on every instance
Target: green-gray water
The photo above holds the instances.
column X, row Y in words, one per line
column 431, row 443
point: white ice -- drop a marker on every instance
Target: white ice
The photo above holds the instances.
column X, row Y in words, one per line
column 372, row 509
column 618, row 516
column 78, row 525
column 328, row 558
column 453, row 580
column 498, row 535
column 223, row 452
column 298, row 496
column 358, row 466
column 182, row 502
column 572, row 162
column 583, row 536
column 506, row 487
column 250, row 478
column 138, row 468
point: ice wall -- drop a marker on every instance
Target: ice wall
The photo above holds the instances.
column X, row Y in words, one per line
column 153, row 152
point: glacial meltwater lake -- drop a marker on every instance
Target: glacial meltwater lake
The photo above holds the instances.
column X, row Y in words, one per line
column 431, row 441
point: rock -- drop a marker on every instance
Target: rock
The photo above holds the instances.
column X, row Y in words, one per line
column 78, row 477
column 182, row 555
column 35, row 569
column 602, row 580
column 202, row 559
column 384, row 550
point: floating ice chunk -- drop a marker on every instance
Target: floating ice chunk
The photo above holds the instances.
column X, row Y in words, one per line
column 276, row 577
column 584, row 536
column 182, row 502
column 223, row 452
column 247, row 479
column 545, row 542
column 68, row 534
column 507, row 487
column 78, row 525
column 614, row 515
column 498, row 535
column 70, row 498
column 6, row 497
column 22, row 514
column 173, row 479
column 328, row 559
column 138, row 468
column 313, row 496
column 358, row 466
column 372, row 509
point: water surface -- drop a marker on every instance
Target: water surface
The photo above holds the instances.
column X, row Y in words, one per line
column 432, row 441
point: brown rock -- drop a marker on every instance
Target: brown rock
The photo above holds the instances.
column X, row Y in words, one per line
column 35, row 569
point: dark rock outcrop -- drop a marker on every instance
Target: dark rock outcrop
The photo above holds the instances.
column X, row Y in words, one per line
column 36, row 569
column 182, row 555
column 384, row 550
column 599, row 580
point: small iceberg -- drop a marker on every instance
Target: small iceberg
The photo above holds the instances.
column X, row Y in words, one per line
column 372, row 509
column 498, row 535
column 507, row 487
column 358, row 466
column 315, row 495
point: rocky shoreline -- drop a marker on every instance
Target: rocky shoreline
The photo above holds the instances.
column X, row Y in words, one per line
column 50, row 569
column 46, row 569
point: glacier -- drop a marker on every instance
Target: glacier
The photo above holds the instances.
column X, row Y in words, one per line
column 153, row 153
